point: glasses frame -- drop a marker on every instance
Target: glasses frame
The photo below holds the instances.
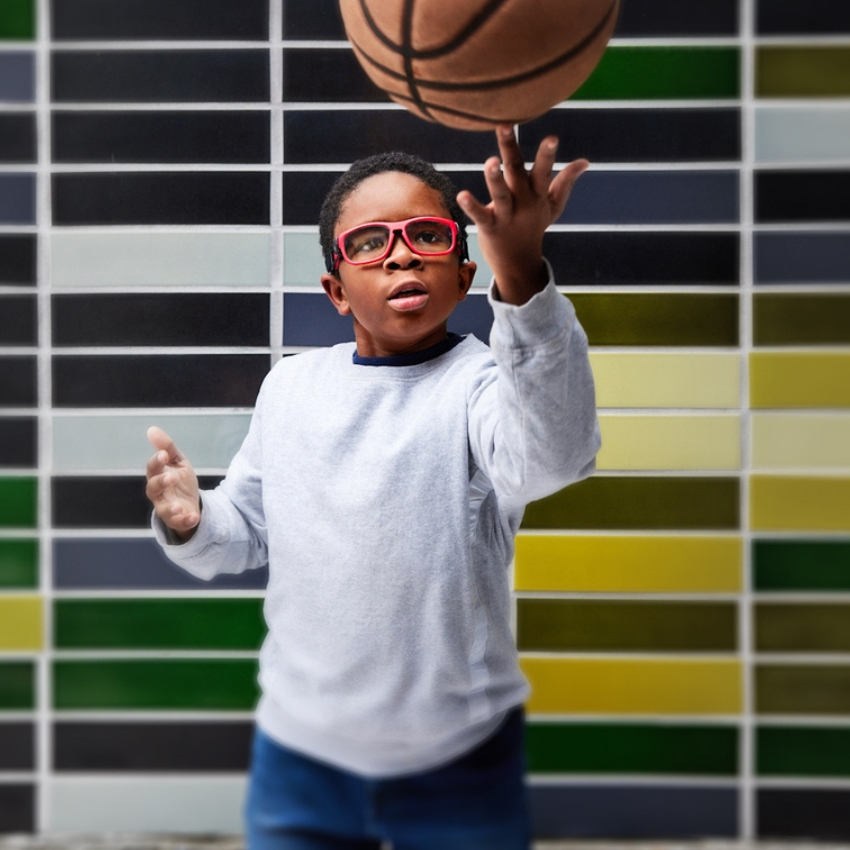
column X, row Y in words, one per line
column 337, row 255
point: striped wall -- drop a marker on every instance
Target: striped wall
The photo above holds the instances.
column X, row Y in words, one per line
column 684, row 616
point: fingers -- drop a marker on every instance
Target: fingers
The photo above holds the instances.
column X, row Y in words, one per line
column 160, row 440
column 477, row 212
column 561, row 187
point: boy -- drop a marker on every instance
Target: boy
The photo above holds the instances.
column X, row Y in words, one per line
column 383, row 483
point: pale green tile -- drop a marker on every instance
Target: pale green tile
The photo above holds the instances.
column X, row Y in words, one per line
column 303, row 264
column 118, row 442
column 159, row 259
column 803, row 134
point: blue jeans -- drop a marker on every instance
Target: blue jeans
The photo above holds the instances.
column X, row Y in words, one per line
column 477, row 802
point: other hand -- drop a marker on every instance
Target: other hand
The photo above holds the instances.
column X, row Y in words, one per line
column 172, row 485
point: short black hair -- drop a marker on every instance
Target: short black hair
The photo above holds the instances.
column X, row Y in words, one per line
column 361, row 169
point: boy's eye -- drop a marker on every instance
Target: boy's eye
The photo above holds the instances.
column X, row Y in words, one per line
column 432, row 234
column 366, row 242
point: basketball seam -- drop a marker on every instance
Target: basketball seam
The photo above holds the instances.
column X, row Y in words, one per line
column 483, row 85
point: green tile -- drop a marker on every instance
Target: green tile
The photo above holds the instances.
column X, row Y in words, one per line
column 664, row 73
column 594, row 625
column 158, row 623
column 18, row 503
column 801, row 565
column 796, row 751
column 802, row 689
column 631, row 748
column 658, row 319
column 17, row 19
column 802, row 627
column 797, row 319
column 610, row 502
column 800, row 71
column 17, row 685
column 19, row 563
column 215, row 684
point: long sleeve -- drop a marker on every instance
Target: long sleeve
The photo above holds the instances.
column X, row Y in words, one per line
column 533, row 425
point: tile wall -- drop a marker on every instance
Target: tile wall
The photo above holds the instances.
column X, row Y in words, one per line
column 684, row 616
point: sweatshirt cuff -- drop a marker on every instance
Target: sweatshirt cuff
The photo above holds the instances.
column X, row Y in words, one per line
column 196, row 544
column 545, row 316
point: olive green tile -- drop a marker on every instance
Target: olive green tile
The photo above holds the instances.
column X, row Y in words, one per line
column 215, row 684
column 631, row 748
column 809, row 565
column 802, row 627
column 802, row 71
column 18, row 563
column 571, row 625
column 17, row 685
column 664, row 73
column 17, row 20
column 801, row 751
column 802, row 689
column 658, row 318
column 801, row 319
column 18, row 503
column 158, row 623
column 611, row 502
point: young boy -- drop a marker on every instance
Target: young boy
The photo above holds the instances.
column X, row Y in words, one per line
column 383, row 483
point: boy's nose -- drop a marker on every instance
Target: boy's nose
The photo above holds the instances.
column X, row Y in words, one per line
column 401, row 255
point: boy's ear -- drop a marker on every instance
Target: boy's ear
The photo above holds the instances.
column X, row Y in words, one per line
column 336, row 292
column 466, row 273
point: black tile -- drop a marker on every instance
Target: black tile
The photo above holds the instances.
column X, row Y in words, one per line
column 161, row 198
column 588, row 259
column 18, row 320
column 18, row 382
column 783, row 196
column 232, row 319
column 309, row 319
column 312, row 19
column 790, row 17
column 17, row 138
column 788, row 257
column 663, row 18
column 187, row 746
column 639, row 135
column 17, row 259
column 197, row 380
column 17, row 808
column 134, row 564
column 190, row 137
column 319, row 137
column 327, row 74
column 821, row 814
column 18, row 446
column 105, row 502
column 17, row 746
column 90, row 20
column 145, row 76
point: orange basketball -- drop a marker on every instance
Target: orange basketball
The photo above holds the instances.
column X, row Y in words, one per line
column 473, row 64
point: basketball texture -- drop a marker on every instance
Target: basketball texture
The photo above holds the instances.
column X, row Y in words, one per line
column 473, row 64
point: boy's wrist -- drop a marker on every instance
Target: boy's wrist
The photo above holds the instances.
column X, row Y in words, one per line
column 518, row 287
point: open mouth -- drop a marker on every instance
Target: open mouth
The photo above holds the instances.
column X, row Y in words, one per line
column 409, row 298
column 410, row 292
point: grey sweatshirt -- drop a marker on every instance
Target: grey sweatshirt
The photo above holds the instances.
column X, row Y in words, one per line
column 385, row 500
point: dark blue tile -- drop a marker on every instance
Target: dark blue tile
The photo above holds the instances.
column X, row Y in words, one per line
column 133, row 563
column 788, row 257
column 17, row 198
column 17, row 77
column 90, row 20
column 634, row 811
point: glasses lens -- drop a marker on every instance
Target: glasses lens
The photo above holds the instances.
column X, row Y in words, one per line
column 430, row 236
column 366, row 243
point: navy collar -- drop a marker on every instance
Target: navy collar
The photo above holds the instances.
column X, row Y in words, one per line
column 412, row 359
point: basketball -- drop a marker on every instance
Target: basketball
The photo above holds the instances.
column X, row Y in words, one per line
column 472, row 64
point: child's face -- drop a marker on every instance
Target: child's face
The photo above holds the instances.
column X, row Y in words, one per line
column 386, row 323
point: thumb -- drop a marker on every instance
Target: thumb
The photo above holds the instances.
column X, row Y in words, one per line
column 162, row 442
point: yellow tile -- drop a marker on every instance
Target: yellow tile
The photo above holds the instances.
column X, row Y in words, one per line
column 800, row 441
column 633, row 686
column 20, row 623
column 799, row 503
column 649, row 379
column 670, row 442
column 800, row 379
column 628, row 564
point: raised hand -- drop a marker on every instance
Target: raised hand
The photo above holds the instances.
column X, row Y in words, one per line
column 172, row 485
column 523, row 204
